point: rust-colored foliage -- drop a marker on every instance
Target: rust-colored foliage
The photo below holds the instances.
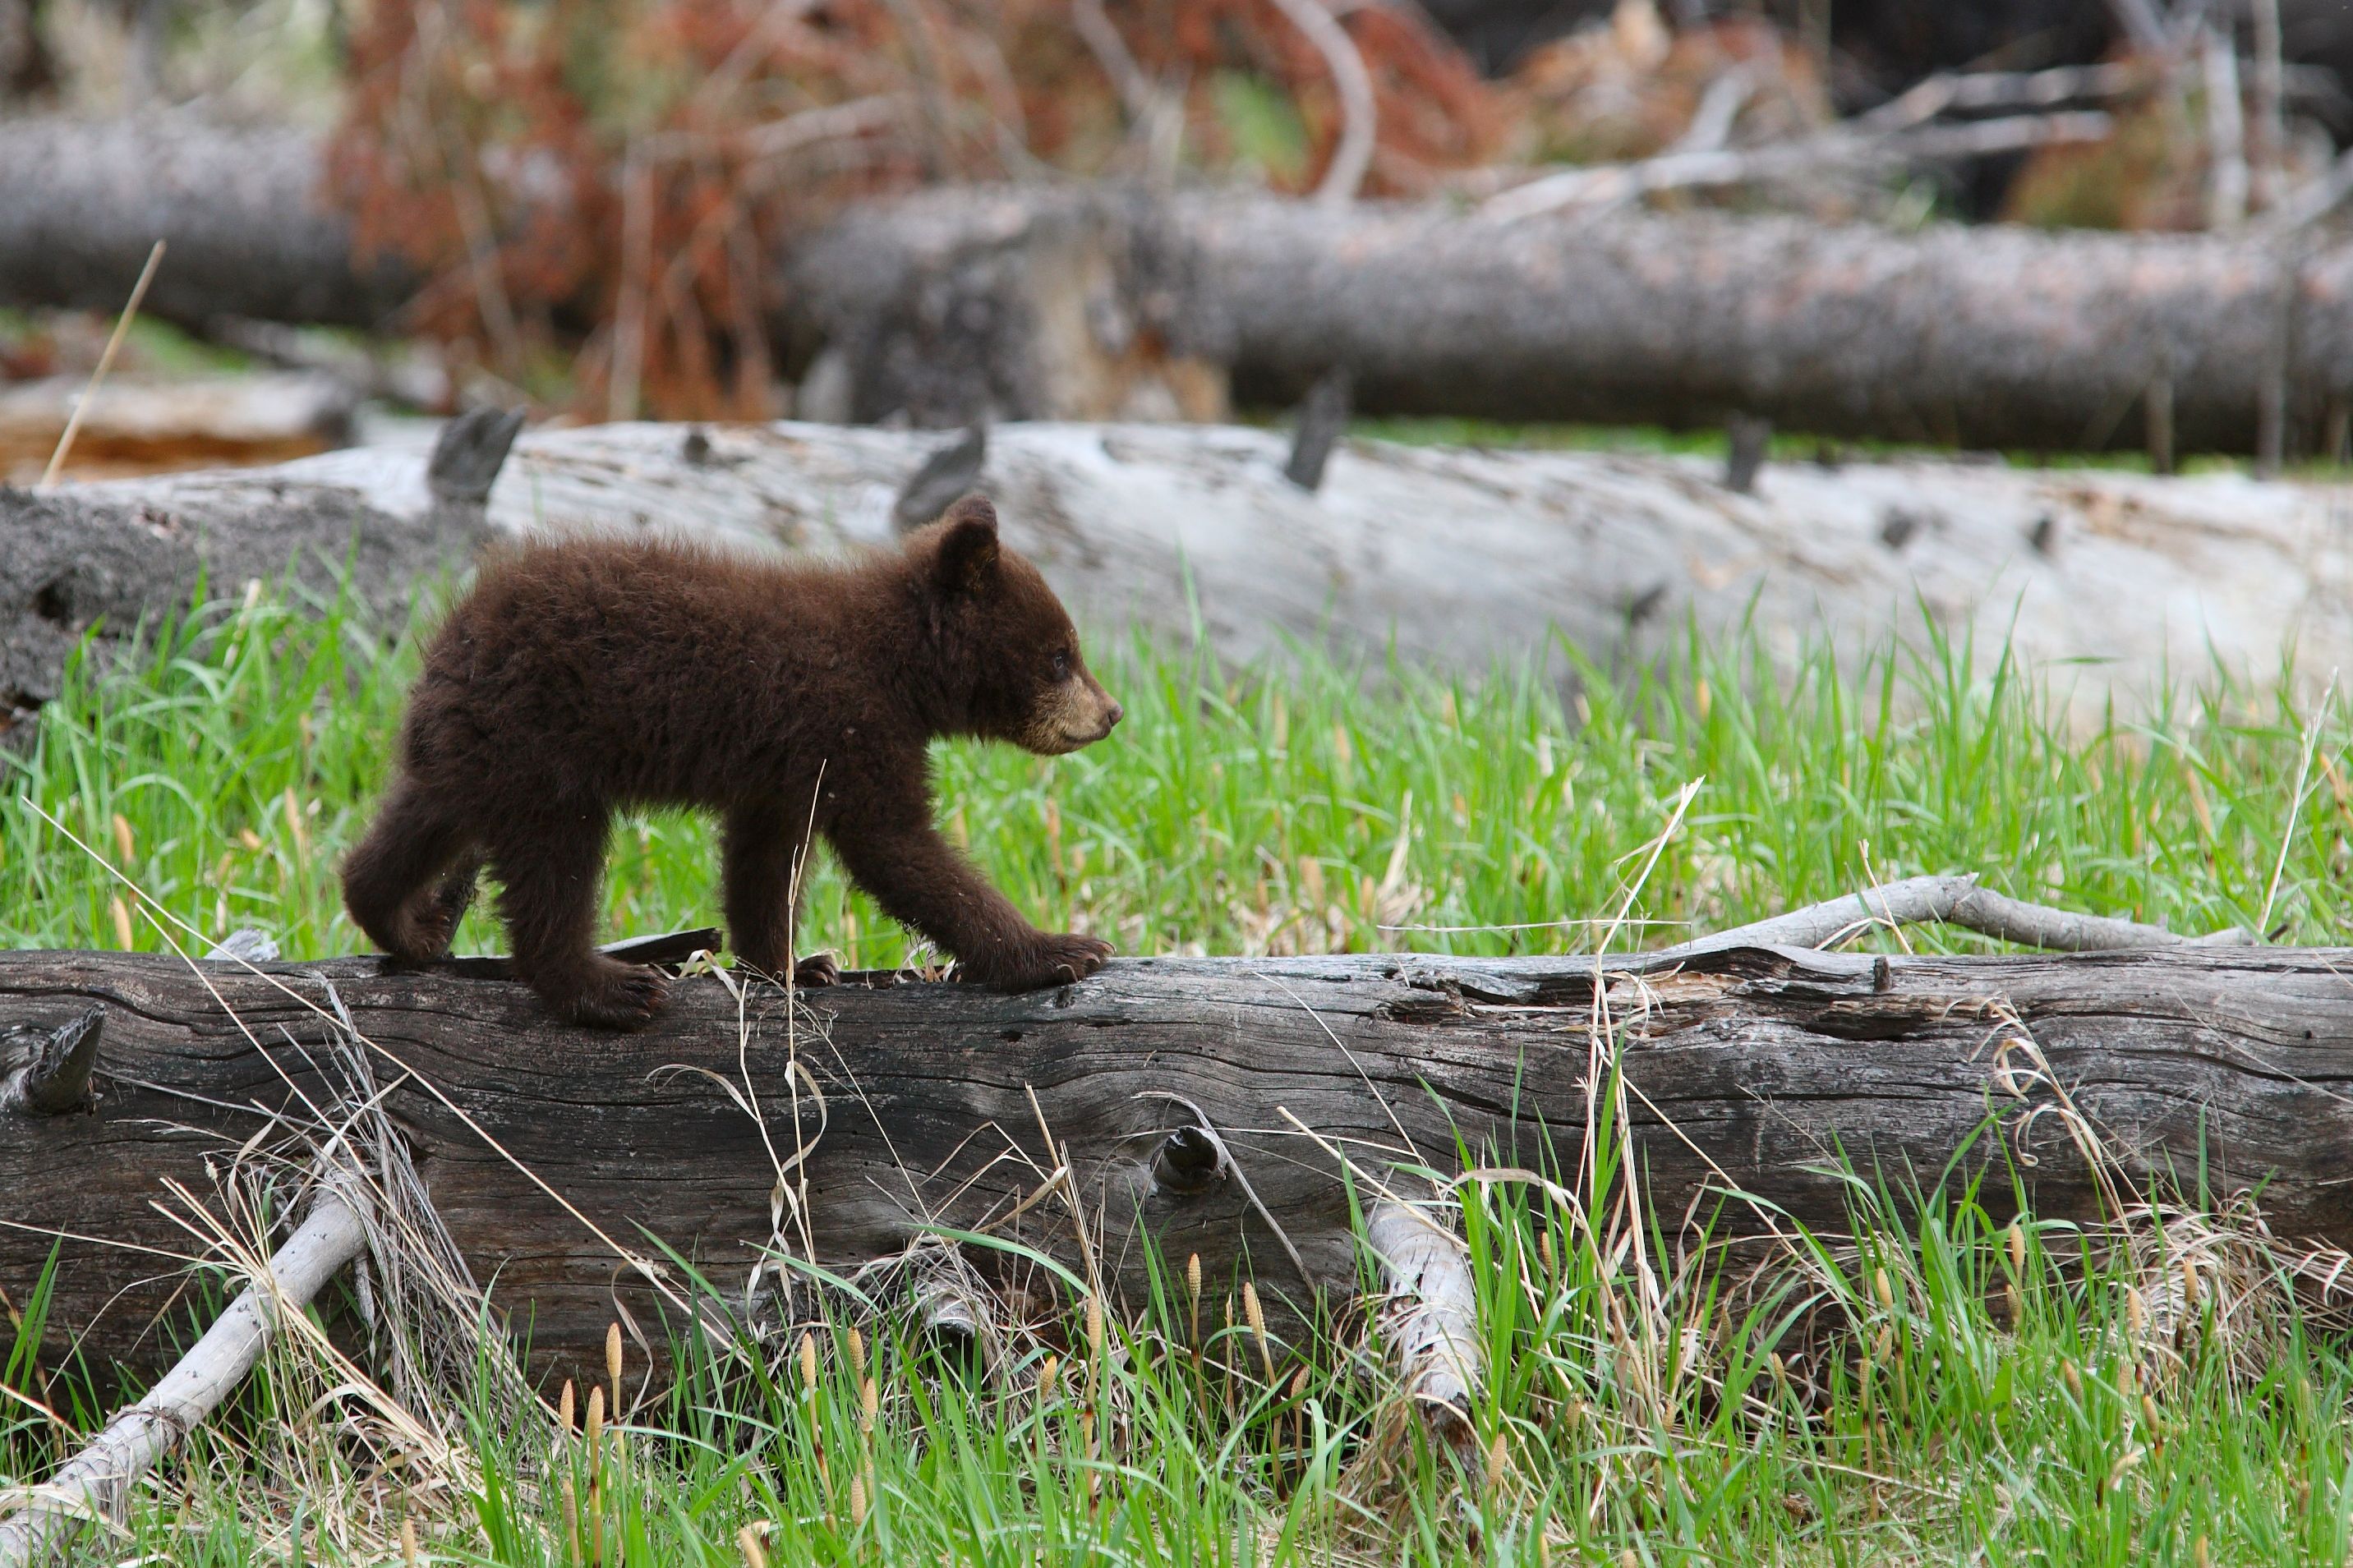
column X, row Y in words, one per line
column 607, row 181
column 1630, row 90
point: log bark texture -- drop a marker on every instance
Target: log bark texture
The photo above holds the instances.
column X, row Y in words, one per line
column 2111, row 583
column 1039, row 303
column 1748, row 1069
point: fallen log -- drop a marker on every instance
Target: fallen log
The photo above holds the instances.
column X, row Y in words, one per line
column 241, row 207
column 2113, row 583
column 1053, row 302
column 85, row 558
column 1242, row 1110
column 1981, row 337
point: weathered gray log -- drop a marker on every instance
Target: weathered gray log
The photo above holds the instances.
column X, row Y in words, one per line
column 1056, row 302
column 244, row 209
column 1972, row 336
column 2109, row 583
column 94, row 556
column 549, row 1152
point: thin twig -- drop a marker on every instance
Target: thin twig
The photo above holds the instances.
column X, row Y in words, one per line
column 629, row 355
column 1981, row 90
column 1358, row 121
column 1111, row 51
column 1837, row 150
column 2295, row 804
column 2267, row 146
column 1719, row 106
column 105, row 363
column 2226, row 134
column 2139, row 20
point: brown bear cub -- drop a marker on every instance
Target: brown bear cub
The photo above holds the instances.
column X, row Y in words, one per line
column 587, row 675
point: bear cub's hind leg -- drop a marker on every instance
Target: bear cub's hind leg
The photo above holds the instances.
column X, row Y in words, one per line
column 389, row 881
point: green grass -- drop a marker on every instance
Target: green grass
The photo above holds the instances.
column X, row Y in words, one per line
column 1950, row 1399
column 1305, row 808
column 1783, row 446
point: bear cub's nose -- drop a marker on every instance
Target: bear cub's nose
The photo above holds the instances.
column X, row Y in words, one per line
column 1117, row 713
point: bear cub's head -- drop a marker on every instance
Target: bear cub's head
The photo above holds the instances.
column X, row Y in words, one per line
column 1013, row 656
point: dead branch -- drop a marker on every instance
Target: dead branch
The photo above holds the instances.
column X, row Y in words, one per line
column 97, row 1481
column 1839, row 150
column 1432, row 1317
column 1953, row 900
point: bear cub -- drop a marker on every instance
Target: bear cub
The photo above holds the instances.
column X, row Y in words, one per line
column 585, row 675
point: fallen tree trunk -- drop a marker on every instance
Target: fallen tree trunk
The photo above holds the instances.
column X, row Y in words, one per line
column 1044, row 302
column 1217, row 1106
column 1969, row 336
column 86, row 557
column 243, row 208
column 2113, row 582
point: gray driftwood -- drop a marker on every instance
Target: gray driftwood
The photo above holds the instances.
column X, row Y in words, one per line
column 2112, row 583
column 1205, row 1104
column 97, row 1481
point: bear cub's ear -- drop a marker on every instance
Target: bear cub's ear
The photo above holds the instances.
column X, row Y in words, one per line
column 967, row 544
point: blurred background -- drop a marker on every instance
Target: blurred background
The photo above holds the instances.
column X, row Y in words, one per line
column 599, row 210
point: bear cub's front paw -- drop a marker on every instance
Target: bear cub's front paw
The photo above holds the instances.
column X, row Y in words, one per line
column 618, row 995
column 1060, row 958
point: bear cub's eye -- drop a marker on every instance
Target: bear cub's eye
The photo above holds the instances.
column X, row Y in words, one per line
column 1062, row 665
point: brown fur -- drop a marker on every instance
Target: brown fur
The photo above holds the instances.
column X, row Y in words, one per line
column 588, row 675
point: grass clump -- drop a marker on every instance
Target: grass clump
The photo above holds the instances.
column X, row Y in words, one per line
column 1943, row 1386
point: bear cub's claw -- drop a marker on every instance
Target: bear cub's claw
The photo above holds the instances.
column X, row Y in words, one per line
column 620, row 995
column 1062, row 957
column 818, row 969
